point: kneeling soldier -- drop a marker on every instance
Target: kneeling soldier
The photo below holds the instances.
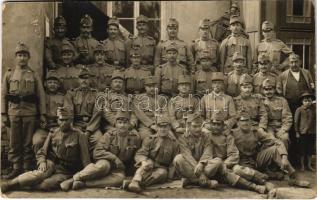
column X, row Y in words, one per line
column 64, row 153
column 154, row 158
column 113, row 154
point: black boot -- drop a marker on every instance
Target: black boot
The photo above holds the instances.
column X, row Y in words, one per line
column 14, row 173
column 245, row 184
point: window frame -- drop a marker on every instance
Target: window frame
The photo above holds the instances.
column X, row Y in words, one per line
column 303, row 43
column 304, row 19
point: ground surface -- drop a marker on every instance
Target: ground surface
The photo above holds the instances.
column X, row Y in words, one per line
column 223, row 192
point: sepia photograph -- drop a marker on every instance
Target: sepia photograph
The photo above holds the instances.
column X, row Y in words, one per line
column 158, row 99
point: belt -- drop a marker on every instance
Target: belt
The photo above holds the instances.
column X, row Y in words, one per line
column 84, row 118
column 18, row 99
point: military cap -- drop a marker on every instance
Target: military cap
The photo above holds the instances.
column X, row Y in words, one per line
column 237, row 56
column 151, row 80
column 194, row 118
column 99, row 48
column 86, row 21
column 269, row 83
column 64, row 113
column 267, row 26
column 205, row 54
column 117, row 74
column 184, row 79
column 60, row 21
column 245, row 79
column 244, row 115
column 172, row 46
column 162, row 120
column 204, row 23
column 306, row 94
column 21, row 47
column 293, row 56
column 52, row 74
column 172, row 22
column 234, row 5
column 113, row 21
column 84, row 73
column 122, row 115
column 142, row 19
column 218, row 76
column 67, row 46
column 236, row 18
column 217, row 116
column 263, row 57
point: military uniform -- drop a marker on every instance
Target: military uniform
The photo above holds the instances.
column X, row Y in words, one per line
column 116, row 49
column 86, row 45
column 233, row 44
column 251, row 104
column 185, row 56
column 23, row 98
column 258, row 78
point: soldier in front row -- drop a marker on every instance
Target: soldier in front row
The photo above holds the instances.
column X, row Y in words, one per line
column 23, row 100
column 64, row 153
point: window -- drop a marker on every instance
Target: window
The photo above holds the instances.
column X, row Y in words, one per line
column 128, row 11
column 302, row 48
column 298, row 11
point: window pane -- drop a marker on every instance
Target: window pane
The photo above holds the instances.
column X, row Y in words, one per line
column 151, row 9
column 127, row 24
column 155, row 29
column 298, row 49
column 307, row 53
column 123, row 9
column 298, row 7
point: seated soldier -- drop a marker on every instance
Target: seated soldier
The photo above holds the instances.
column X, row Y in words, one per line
column 113, row 154
column 260, row 150
column 154, row 158
column 64, row 153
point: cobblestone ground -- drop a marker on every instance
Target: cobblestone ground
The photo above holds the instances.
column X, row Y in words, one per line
column 222, row 192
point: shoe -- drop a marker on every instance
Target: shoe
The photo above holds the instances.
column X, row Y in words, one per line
column 67, row 184
column 78, row 185
column 13, row 174
column 260, row 189
column 185, row 182
column 134, row 187
column 126, row 184
column 212, row 184
column 299, row 183
column 269, row 186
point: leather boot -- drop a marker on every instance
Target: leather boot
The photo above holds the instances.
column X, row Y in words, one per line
column 78, row 185
column 134, row 186
column 67, row 184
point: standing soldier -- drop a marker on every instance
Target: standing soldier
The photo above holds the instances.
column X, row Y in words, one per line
column 135, row 74
column 217, row 101
column 185, row 56
column 54, row 98
column 205, row 42
column 264, row 65
column 115, row 47
column 23, row 99
column 202, row 82
column 85, row 43
column 64, row 152
column 148, row 106
column 113, row 155
column 68, row 71
column 235, row 42
column 182, row 105
column 145, row 42
column 279, row 115
column 169, row 72
column 101, row 70
column 250, row 103
column 53, row 46
column 277, row 50
column 239, row 68
column 154, row 159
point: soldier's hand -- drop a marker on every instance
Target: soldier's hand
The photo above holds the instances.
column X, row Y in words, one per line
column 147, row 165
column 199, row 169
column 180, row 130
column 43, row 167
column 284, row 162
column 5, row 120
column 43, row 121
column 119, row 164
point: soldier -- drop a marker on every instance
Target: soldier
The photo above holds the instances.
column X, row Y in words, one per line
column 53, row 46
column 239, row 68
column 274, row 48
column 85, row 43
column 65, row 152
column 251, row 103
column 81, row 101
column 101, row 70
column 68, row 72
column 217, row 101
column 169, row 72
column 54, row 98
column 182, row 105
column 113, row 157
column 205, row 42
column 184, row 57
column 258, row 150
column 202, row 82
column 154, row 158
column 135, row 74
column 145, row 42
column 23, row 99
column 148, row 106
column 264, row 65
column 235, row 42
column 279, row 115
column 115, row 47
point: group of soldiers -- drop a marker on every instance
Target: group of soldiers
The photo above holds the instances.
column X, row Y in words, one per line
column 206, row 113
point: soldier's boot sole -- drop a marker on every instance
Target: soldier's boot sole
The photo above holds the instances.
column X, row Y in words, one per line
column 134, row 187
